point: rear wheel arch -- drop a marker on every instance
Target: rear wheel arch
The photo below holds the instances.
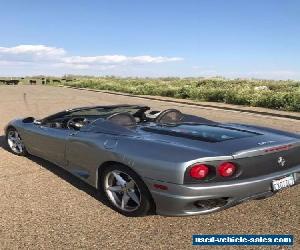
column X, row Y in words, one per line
column 105, row 165
column 101, row 169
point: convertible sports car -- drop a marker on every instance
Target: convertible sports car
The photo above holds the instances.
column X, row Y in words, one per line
column 168, row 162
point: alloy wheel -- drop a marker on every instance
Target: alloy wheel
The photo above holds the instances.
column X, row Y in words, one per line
column 15, row 142
column 122, row 191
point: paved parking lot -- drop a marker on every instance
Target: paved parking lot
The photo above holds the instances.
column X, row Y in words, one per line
column 43, row 207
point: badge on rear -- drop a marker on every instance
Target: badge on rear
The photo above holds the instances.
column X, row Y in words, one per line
column 281, row 161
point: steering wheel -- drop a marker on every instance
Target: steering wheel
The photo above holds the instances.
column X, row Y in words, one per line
column 77, row 123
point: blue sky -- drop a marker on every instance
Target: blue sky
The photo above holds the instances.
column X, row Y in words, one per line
column 259, row 39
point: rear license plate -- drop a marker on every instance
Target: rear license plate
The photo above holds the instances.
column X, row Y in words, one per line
column 283, row 183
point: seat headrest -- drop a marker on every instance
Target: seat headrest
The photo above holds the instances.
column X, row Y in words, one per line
column 169, row 116
column 124, row 119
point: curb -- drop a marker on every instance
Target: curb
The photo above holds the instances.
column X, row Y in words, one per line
column 263, row 113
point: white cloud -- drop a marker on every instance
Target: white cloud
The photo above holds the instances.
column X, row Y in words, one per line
column 34, row 50
column 58, row 58
column 70, row 66
column 118, row 59
column 43, row 59
column 11, row 63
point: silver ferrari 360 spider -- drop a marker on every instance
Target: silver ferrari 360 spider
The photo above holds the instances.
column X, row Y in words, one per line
column 162, row 161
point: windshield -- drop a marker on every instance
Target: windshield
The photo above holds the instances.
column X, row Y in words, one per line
column 104, row 112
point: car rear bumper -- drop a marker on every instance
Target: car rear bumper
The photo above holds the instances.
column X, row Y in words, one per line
column 183, row 200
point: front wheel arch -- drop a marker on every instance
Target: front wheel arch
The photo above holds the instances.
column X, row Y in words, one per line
column 24, row 150
column 8, row 128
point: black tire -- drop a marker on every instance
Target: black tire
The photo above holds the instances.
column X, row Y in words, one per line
column 23, row 152
column 146, row 202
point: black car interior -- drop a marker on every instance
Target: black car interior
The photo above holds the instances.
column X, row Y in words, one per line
column 126, row 116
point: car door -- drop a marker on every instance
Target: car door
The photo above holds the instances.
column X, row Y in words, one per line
column 90, row 147
column 85, row 152
column 48, row 143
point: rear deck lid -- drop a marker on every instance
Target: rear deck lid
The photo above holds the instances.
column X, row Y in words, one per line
column 220, row 139
column 201, row 132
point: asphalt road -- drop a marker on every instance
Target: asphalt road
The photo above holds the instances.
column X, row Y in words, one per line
column 44, row 207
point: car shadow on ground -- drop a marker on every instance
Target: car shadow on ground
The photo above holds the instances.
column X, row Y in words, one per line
column 60, row 172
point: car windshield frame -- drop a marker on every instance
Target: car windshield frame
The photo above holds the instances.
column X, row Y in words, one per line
column 103, row 112
column 82, row 112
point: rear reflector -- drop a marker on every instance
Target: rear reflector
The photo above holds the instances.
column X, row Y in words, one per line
column 159, row 186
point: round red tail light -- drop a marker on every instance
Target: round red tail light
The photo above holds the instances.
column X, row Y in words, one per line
column 199, row 171
column 226, row 169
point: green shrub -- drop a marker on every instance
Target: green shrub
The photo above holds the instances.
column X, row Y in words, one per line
column 283, row 95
